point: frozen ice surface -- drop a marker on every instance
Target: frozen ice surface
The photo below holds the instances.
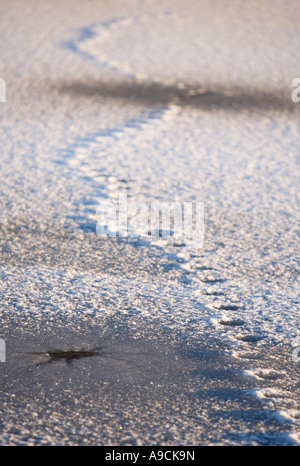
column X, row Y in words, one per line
column 143, row 341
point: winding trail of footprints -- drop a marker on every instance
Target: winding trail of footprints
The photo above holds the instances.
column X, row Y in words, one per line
column 82, row 155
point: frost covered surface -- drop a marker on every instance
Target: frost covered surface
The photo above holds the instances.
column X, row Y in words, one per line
column 144, row 99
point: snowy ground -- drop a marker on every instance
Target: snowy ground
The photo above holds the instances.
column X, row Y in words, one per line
column 188, row 346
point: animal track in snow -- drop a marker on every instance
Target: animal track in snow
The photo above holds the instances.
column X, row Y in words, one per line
column 232, row 323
